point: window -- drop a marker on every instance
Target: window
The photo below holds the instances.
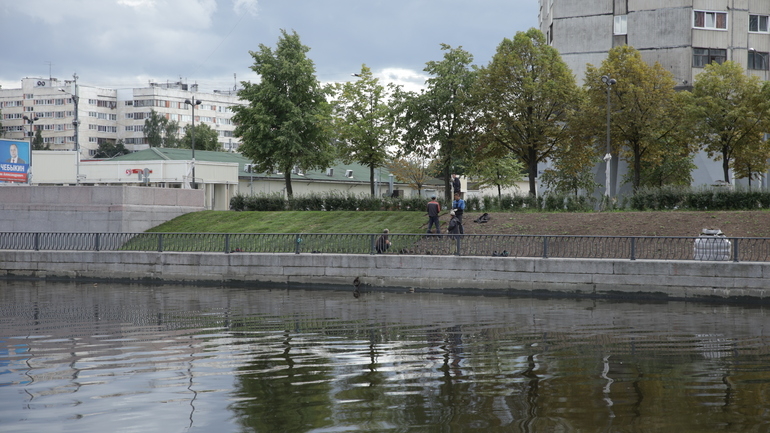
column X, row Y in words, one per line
column 758, row 60
column 621, row 22
column 703, row 56
column 758, row 23
column 710, row 20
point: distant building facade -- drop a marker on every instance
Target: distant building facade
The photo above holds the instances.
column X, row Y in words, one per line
column 108, row 114
column 682, row 35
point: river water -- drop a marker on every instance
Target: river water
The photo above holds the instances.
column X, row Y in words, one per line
column 143, row 358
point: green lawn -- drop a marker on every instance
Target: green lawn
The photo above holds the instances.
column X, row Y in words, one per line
column 295, row 222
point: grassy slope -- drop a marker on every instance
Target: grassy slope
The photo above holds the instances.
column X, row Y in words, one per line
column 295, row 222
column 666, row 223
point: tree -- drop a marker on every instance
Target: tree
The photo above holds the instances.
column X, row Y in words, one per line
column 159, row 131
column 205, row 138
column 38, row 143
column 523, row 98
column 415, row 172
column 729, row 111
column 363, row 123
column 287, row 122
column 751, row 162
column 571, row 167
column 646, row 113
column 110, row 149
column 498, row 172
column 432, row 121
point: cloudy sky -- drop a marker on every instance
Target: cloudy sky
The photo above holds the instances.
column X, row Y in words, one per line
column 128, row 43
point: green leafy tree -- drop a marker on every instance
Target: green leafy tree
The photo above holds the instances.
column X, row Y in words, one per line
column 363, row 123
column 286, row 122
column 111, row 149
column 751, row 162
column 414, row 172
column 647, row 116
column 159, row 131
column 171, row 134
column 432, row 121
column 38, row 143
column 523, row 99
column 154, row 126
column 498, row 169
column 571, row 170
column 729, row 112
column 205, row 138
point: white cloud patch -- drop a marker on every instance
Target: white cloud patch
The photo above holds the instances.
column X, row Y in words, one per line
column 245, row 6
column 409, row 79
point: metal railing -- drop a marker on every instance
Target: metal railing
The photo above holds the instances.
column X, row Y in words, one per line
column 594, row 247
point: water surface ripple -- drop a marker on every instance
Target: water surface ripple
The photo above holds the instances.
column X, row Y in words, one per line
column 140, row 358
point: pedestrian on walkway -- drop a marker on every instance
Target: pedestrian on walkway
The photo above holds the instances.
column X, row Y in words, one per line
column 434, row 208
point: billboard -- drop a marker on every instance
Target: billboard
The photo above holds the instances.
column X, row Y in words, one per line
column 15, row 158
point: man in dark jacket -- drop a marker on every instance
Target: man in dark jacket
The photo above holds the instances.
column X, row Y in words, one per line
column 458, row 206
column 456, row 184
column 434, row 208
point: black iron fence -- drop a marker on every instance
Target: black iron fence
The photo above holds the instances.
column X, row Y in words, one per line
column 596, row 247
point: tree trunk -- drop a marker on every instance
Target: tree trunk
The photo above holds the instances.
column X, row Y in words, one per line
column 371, row 179
column 532, row 171
column 287, row 178
column 726, row 167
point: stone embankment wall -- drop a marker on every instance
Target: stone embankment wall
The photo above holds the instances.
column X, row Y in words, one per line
column 689, row 280
column 93, row 209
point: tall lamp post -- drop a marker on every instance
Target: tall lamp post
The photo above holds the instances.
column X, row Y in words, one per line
column 31, row 134
column 193, row 103
column 608, row 157
column 76, row 124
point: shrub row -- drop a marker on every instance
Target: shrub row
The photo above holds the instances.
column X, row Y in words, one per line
column 332, row 201
column 702, row 198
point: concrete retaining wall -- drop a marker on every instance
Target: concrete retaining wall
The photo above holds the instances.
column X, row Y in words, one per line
column 93, row 209
column 565, row 277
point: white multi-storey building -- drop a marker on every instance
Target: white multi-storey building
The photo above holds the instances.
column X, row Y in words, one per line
column 50, row 105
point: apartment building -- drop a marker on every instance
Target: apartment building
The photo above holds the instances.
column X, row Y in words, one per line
column 682, row 35
column 54, row 106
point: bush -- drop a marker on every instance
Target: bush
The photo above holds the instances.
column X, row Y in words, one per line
column 238, row 202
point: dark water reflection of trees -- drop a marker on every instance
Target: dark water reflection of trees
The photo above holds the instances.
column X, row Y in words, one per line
column 324, row 361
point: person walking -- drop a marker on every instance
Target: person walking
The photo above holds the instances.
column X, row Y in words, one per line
column 458, row 206
column 434, row 208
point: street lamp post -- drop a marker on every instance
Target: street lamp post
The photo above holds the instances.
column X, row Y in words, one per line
column 30, row 135
column 193, row 103
column 76, row 124
column 608, row 157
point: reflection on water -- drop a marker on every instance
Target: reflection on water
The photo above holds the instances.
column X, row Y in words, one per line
column 176, row 358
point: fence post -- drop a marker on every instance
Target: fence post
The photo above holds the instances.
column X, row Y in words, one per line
column 735, row 251
column 227, row 243
column 297, row 241
column 37, row 242
column 96, row 242
column 373, row 247
column 633, row 248
column 458, row 242
column 160, row 242
column 545, row 247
